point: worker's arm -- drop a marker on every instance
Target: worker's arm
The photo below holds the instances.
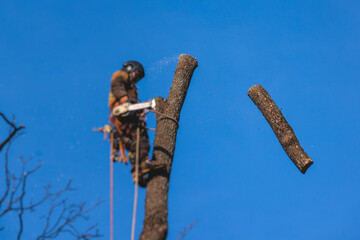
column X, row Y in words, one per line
column 118, row 81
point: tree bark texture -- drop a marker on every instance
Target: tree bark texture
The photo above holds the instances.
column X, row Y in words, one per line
column 281, row 127
column 167, row 117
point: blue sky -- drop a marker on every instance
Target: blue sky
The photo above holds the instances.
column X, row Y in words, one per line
column 229, row 170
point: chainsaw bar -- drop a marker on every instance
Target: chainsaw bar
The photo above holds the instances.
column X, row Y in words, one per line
column 128, row 107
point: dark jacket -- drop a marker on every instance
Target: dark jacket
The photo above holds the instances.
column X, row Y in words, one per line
column 121, row 86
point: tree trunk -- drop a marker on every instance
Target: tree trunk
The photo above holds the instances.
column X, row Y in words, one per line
column 281, row 127
column 167, row 117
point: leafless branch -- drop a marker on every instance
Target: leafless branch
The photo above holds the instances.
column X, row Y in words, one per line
column 16, row 188
column 15, row 199
column 68, row 214
column 12, row 136
column 182, row 235
column 7, row 177
column 13, row 132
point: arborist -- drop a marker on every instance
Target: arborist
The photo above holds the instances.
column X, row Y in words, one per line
column 124, row 91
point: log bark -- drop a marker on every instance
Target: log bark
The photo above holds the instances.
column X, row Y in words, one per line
column 167, row 117
column 281, row 127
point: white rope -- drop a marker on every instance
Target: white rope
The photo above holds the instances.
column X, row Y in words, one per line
column 136, row 183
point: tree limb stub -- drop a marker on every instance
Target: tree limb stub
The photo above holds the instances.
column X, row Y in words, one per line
column 167, row 111
column 281, row 127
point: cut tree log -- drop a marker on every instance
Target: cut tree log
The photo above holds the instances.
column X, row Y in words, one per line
column 281, row 127
column 167, row 117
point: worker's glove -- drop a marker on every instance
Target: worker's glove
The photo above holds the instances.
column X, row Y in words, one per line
column 123, row 114
column 122, row 110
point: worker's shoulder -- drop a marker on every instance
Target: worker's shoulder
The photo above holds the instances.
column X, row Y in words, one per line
column 120, row 75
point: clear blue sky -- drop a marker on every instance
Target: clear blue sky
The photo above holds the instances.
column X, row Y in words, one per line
column 229, row 170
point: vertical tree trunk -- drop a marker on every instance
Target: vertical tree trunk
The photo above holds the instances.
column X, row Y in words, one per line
column 167, row 117
column 281, row 127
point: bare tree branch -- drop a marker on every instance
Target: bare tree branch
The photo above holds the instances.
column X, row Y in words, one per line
column 21, row 199
column 167, row 116
column 21, row 181
column 65, row 219
column 16, row 190
column 182, row 235
column 7, row 177
column 12, row 136
column 12, row 133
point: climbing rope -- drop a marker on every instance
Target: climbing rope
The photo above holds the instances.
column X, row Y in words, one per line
column 111, row 188
column 106, row 130
column 164, row 115
column 136, row 182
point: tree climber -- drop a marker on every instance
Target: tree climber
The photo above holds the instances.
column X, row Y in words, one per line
column 123, row 90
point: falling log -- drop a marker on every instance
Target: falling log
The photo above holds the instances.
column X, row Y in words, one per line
column 281, row 127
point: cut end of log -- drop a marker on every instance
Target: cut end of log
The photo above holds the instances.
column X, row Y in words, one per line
column 254, row 88
column 306, row 166
column 188, row 58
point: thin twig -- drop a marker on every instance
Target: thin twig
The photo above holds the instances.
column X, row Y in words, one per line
column 186, row 230
column 12, row 134
column 67, row 216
